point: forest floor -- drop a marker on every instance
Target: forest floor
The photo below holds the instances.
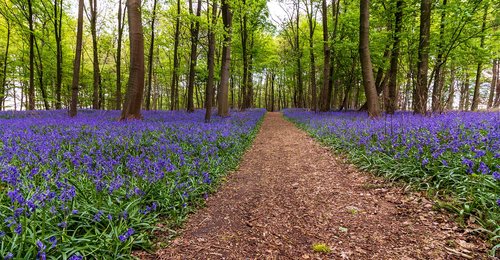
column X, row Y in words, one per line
column 291, row 193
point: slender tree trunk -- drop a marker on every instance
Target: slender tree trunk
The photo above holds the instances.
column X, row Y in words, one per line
column 3, row 89
column 31, row 88
column 121, row 18
column 438, row 84
column 40, row 77
column 249, row 94
column 58, row 9
column 76, row 63
column 366, row 63
column 326, row 60
column 393, row 86
column 135, row 87
column 300, row 94
column 423, row 58
column 312, row 63
column 227, row 17
column 451, row 92
column 175, row 76
column 195, row 28
column 476, row 99
column 244, row 48
column 211, row 64
column 335, row 13
column 96, row 72
column 151, row 57
column 493, row 83
column 464, row 94
column 496, row 104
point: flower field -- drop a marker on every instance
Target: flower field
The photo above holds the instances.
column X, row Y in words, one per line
column 95, row 187
column 455, row 155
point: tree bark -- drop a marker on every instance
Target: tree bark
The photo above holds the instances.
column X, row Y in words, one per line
column 121, row 18
column 365, row 59
column 150, row 57
column 95, row 63
column 223, row 106
column 451, row 92
column 76, row 63
column 211, row 64
column 312, row 68
column 393, row 73
column 195, row 28
column 31, row 88
column 476, row 100
column 438, row 84
column 58, row 10
column 421, row 91
column 493, row 83
column 3, row 89
column 174, row 94
column 326, row 60
column 135, row 87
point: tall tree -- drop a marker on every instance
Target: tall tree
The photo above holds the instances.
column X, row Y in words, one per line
column 194, row 29
column 135, row 87
column 494, row 78
column 475, row 98
column 393, row 73
column 311, row 17
column 438, row 81
column 223, row 94
column 97, row 75
column 4, row 63
column 31, row 89
column 211, row 63
column 365, row 59
column 76, row 63
column 174, row 94
column 58, row 15
column 121, row 18
column 326, row 60
column 421, row 91
column 150, row 57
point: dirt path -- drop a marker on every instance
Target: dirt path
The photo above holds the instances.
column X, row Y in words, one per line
column 290, row 193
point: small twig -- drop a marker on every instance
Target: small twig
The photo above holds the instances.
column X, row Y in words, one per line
column 458, row 253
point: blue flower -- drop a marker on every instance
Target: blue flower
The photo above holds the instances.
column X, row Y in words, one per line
column 8, row 256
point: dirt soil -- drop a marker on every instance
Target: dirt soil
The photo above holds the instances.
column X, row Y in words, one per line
column 291, row 193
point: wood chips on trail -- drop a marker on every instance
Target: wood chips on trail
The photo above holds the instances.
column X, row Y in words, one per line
column 290, row 193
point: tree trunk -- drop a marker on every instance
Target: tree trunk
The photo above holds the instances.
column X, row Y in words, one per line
column 421, row 91
column 135, row 87
column 3, row 83
column 95, row 63
column 76, row 63
column 451, row 93
column 227, row 17
column 121, row 18
column 300, row 94
column 31, row 88
column 494, row 79
column 211, row 64
column 366, row 63
column 244, row 48
column 174, row 94
column 438, row 84
column 39, row 66
column 326, row 60
column 393, row 73
column 335, row 13
column 195, row 28
column 150, row 57
column 312, row 68
column 58, row 10
column 476, row 100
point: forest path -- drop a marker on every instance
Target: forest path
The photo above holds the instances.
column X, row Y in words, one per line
column 290, row 193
